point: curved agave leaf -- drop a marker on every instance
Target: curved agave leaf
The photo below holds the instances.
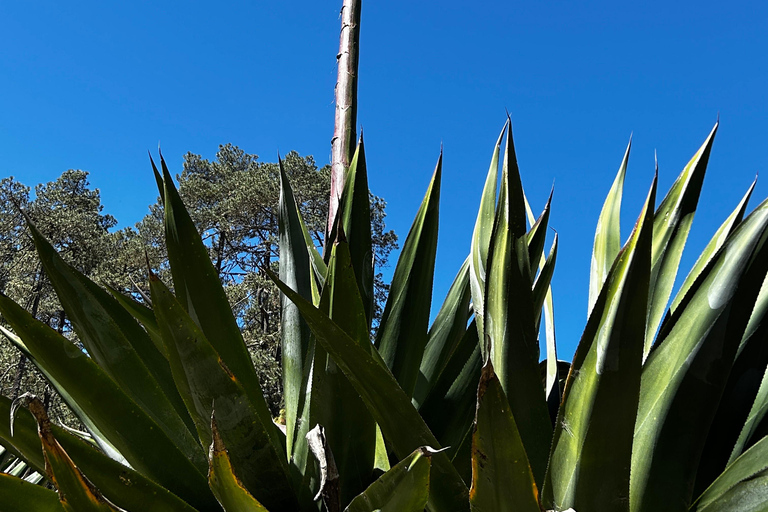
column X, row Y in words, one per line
column 510, row 331
column 296, row 272
column 390, row 406
column 717, row 241
column 107, row 412
column 18, row 495
column 481, row 237
column 355, row 211
column 740, row 396
column 121, row 485
column 450, row 407
column 552, row 382
column 742, row 486
column 198, row 289
column 76, row 493
column 350, row 429
column 684, row 376
column 402, row 334
column 671, row 226
column 206, row 382
column 541, row 287
column 589, row 468
column 445, row 334
column 119, row 345
column 757, row 330
column 502, row 479
column 404, row 488
column 144, row 316
column 227, row 488
column 608, row 233
column 537, row 235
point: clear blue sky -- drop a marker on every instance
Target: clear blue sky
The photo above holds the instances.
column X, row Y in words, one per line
column 94, row 85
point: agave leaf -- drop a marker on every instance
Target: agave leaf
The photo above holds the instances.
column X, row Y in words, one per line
column 757, row 330
column 355, row 211
column 589, row 467
column 351, row 431
column 76, row 493
column 541, row 285
column 206, row 382
column 445, row 334
column 671, row 226
column 742, row 486
column 18, row 495
column 390, row 406
column 608, row 233
column 107, row 411
column 481, row 237
column 404, row 488
column 402, row 334
column 502, row 479
column 98, row 437
column 537, row 235
column 198, row 289
column 740, row 395
column 120, row 484
column 227, row 488
column 717, row 241
column 684, row 376
column 295, row 270
column 118, row 345
column 552, row 383
column 449, row 409
column 510, row 329
column 144, row 316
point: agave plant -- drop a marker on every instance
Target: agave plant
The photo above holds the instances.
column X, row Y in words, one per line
column 662, row 409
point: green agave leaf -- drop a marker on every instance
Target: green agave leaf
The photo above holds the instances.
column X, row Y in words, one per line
column 502, row 479
column 76, row 493
column 227, row 488
column 121, row 485
column 739, row 396
column 755, row 335
column 671, row 226
column 402, row 334
column 552, row 383
column 295, row 270
column 207, row 383
column 717, row 241
column 589, row 468
column 119, row 346
column 445, row 334
column 481, row 237
column 144, row 316
column 510, row 331
column 541, row 286
column 537, row 235
column 355, row 211
column 390, row 406
column 743, row 486
column 107, row 412
column 404, row 488
column 350, row 429
column 608, row 233
column 684, row 377
column 17, row 495
column 449, row 409
column 198, row 288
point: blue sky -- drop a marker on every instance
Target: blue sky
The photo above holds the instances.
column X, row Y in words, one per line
column 94, row 85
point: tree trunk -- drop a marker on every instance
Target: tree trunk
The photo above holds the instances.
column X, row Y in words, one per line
column 344, row 137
